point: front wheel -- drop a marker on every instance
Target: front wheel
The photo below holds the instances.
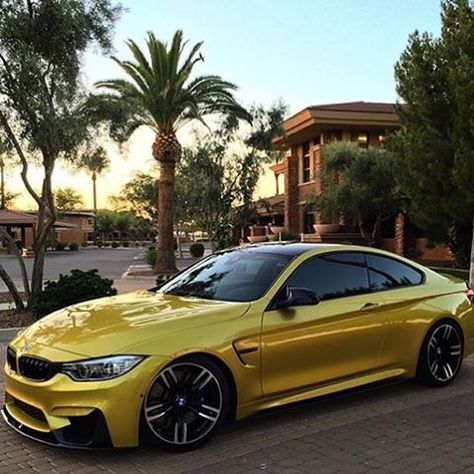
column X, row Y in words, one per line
column 185, row 404
column 441, row 355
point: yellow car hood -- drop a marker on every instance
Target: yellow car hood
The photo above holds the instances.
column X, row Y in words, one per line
column 116, row 324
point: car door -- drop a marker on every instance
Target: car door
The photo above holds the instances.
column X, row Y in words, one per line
column 339, row 337
column 399, row 285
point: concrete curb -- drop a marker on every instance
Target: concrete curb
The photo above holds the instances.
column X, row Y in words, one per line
column 6, row 335
column 138, row 272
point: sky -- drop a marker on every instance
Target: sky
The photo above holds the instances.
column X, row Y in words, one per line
column 304, row 52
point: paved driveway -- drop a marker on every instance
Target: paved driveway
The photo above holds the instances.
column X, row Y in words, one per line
column 110, row 262
column 395, row 428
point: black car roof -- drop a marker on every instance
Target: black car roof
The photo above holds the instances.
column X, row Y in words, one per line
column 291, row 249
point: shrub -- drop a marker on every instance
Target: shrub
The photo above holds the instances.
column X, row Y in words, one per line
column 150, row 256
column 84, row 244
column 285, row 236
column 18, row 244
column 224, row 243
column 196, row 250
column 115, row 245
column 125, row 244
column 70, row 289
column 162, row 279
column 73, row 246
column 60, row 246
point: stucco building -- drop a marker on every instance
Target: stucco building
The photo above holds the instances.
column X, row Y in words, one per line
column 296, row 176
column 72, row 226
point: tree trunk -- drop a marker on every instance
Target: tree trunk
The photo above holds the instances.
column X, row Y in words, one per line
column 165, row 258
column 2, row 185
column 94, row 195
column 178, row 242
column 471, row 266
column 46, row 219
column 12, row 289
column 14, row 249
column 362, row 230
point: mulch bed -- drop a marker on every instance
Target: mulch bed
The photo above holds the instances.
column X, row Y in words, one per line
column 11, row 318
column 5, row 297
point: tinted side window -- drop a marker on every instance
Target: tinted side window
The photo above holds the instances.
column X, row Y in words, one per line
column 386, row 273
column 332, row 276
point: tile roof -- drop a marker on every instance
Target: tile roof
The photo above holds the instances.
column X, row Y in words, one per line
column 13, row 218
column 360, row 106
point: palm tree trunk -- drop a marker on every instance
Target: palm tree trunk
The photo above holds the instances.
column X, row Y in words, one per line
column 94, row 197
column 165, row 261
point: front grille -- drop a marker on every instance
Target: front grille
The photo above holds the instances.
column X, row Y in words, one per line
column 37, row 369
column 11, row 358
column 30, row 410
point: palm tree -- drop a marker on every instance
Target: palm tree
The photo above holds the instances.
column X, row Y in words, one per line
column 166, row 97
column 95, row 162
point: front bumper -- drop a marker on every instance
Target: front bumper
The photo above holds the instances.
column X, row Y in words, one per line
column 63, row 412
column 86, row 432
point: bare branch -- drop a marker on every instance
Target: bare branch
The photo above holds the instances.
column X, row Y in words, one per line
column 24, row 161
column 12, row 289
column 21, row 263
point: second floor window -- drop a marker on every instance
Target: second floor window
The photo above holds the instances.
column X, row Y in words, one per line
column 306, row 163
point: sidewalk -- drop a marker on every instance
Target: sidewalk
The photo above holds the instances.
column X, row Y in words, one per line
column 127, row 285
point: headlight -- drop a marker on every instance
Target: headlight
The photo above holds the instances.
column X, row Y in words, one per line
column 101, row 369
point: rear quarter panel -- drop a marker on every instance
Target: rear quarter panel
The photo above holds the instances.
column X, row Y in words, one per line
column 412, row 311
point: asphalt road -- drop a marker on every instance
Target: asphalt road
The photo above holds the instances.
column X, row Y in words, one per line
column 397, row 428
column 111, row 263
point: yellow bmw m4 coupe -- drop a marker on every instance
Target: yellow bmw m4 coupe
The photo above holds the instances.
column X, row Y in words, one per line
column 240, row 331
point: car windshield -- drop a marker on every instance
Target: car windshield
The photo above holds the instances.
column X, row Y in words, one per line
column 231, row 276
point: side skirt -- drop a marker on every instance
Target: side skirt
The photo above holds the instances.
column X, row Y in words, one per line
column 313, row 392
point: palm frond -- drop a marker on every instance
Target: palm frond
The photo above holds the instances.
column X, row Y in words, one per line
column 161, row 82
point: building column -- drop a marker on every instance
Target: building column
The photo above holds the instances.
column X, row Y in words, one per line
column 291, row 192
column 23, row 236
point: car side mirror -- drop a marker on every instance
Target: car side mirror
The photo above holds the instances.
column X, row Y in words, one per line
column 297, row 296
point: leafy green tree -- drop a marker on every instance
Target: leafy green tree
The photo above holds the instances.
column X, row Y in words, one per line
column 42, row 100
column 142, row 228
column 217, row 178
column 138, row 195
column 360, row 185
column 435, row 148
column 105, row 223
column 124, row 223
column 163, row 95
column 67, row 199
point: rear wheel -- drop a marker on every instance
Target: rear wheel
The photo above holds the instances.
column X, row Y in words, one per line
column 441, row 355
column 185, row 404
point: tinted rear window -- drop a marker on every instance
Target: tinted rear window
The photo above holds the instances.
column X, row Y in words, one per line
column 386, row 273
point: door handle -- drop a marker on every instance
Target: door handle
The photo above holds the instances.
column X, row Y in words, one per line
column 370, row 306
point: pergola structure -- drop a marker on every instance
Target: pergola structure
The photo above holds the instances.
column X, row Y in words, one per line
column 23, row 221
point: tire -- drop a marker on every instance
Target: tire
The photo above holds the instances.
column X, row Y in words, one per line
column 186, row 403
column 441, row 354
